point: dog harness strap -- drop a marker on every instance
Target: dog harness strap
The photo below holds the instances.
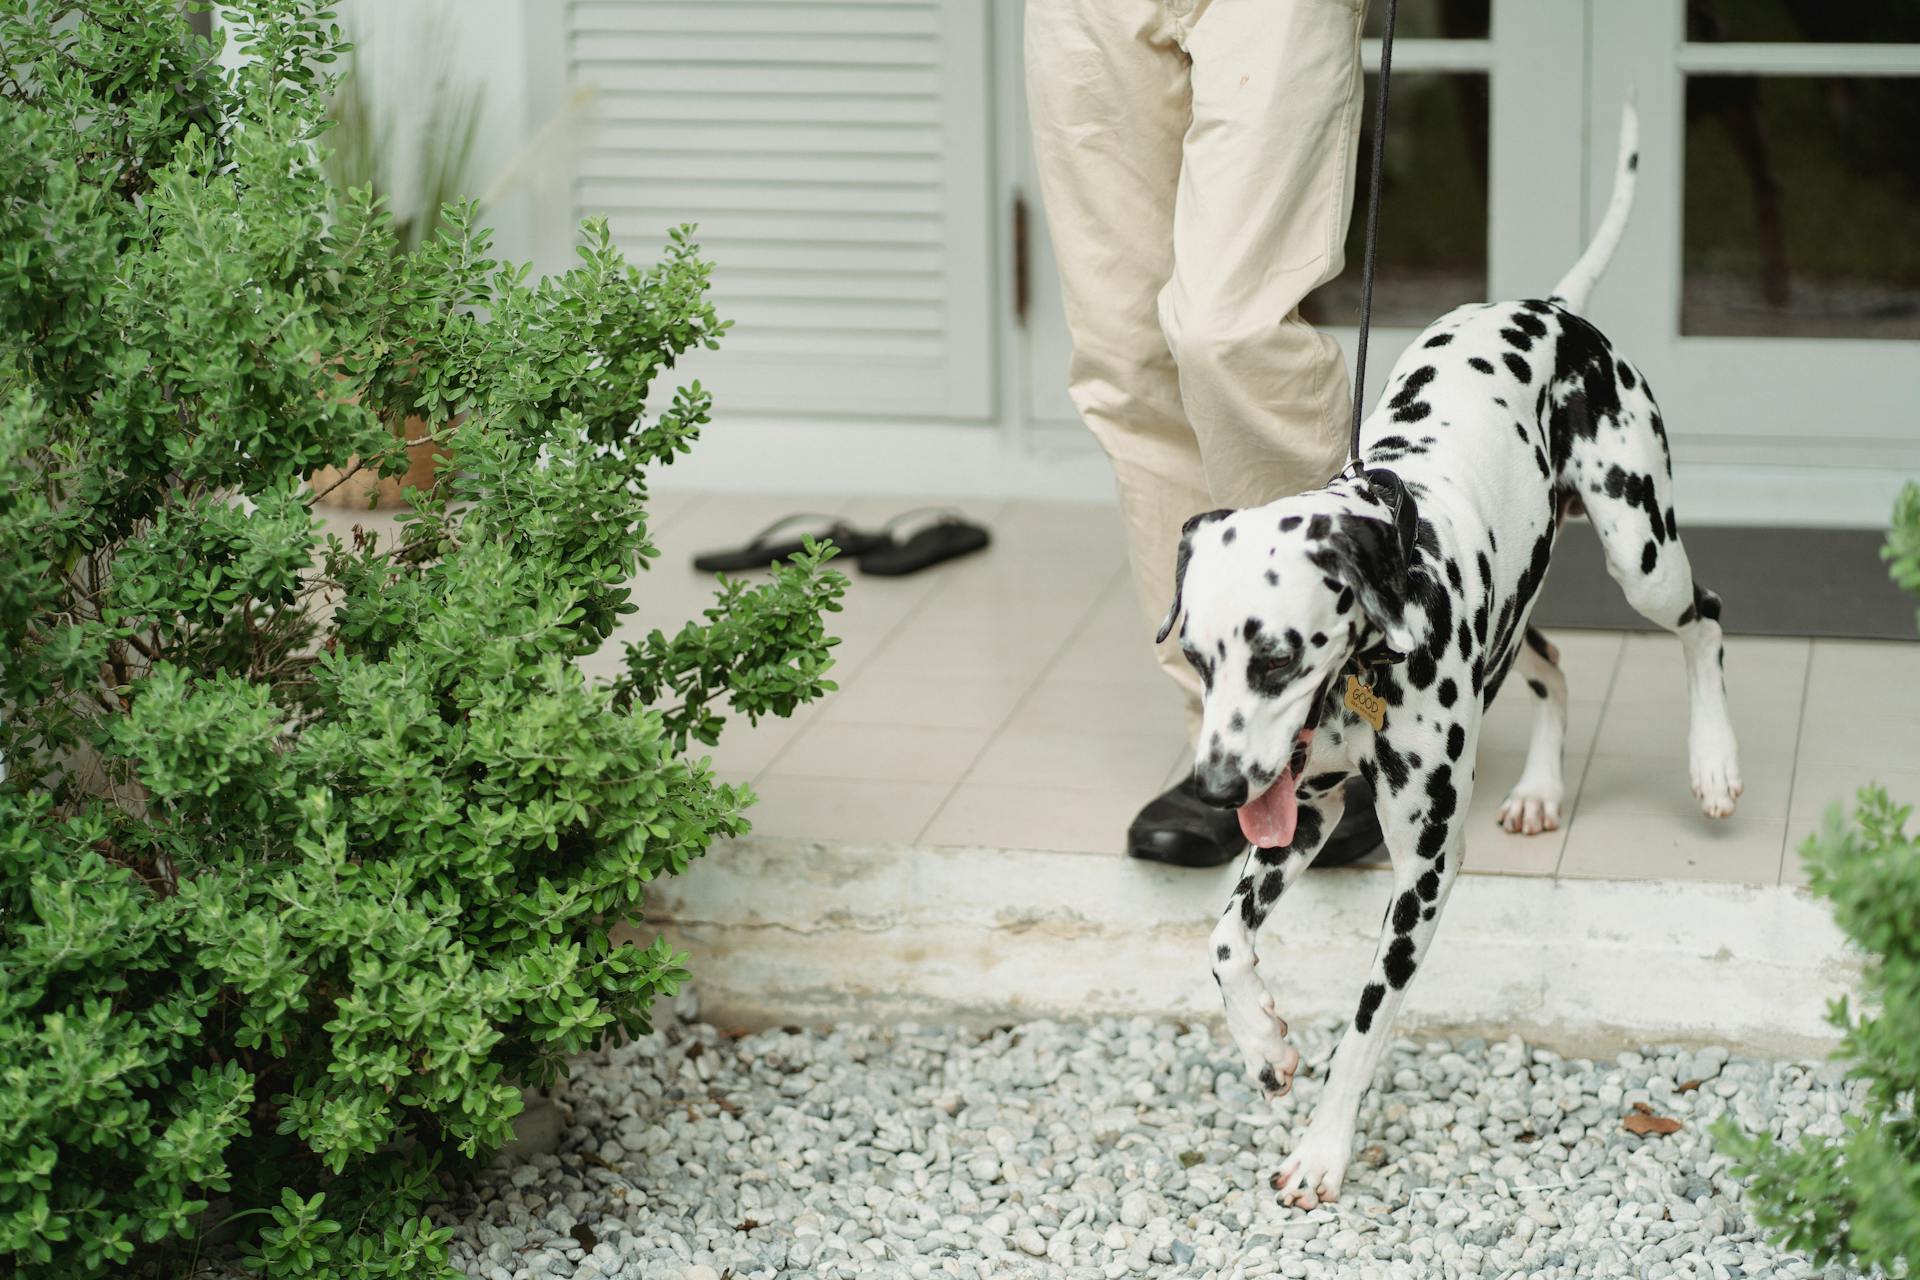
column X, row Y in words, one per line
column 1373, row 237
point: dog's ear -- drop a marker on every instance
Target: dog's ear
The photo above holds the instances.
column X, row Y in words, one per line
column 1370, row 556
column 1180, row 568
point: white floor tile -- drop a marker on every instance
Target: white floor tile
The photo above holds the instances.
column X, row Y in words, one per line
column 881, row 753
column 1129, row 762
column 856, row 811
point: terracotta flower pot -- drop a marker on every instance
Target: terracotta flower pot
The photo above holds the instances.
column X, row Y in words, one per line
column 424, row 458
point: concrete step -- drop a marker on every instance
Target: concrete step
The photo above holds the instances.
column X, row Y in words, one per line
column 796, row 931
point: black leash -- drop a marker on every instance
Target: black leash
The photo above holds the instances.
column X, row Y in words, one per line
column 1373, row 237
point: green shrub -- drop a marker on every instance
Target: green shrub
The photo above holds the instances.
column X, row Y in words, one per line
column 311, row 856
column 1855, row 1198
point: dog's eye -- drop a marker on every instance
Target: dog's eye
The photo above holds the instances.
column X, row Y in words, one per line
column 1273, row 664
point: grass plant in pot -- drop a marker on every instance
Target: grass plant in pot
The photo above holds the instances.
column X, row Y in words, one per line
column 365, row 150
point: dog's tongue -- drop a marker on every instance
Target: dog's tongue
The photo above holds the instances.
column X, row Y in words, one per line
column 1268, row 821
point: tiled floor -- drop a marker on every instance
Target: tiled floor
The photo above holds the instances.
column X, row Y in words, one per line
column 1010, row 700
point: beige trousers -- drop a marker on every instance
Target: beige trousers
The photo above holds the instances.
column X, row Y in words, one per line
column 1196, row 159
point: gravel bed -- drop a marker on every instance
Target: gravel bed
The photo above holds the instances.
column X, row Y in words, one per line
column 1126, row 1148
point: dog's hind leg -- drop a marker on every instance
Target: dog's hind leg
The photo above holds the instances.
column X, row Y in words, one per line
column 1535, row 803
column 1628, row 492
column 1255, row 1024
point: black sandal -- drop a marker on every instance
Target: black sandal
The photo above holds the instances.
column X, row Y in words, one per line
column 763, row 553
column 948, row 538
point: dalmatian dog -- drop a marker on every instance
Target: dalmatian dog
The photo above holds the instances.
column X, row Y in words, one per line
column 1416, row 578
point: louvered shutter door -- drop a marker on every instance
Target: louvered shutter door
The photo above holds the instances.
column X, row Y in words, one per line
column 833, row 153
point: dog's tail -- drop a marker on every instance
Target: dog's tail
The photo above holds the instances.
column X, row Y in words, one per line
column 1577, row 284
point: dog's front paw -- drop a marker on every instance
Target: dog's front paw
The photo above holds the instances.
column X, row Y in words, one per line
column 1532, row 808
column 1715, row 775
column 1261, row 1033
column 1312, row 1174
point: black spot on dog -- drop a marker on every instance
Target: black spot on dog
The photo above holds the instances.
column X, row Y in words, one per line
column 1273, row 579
column 1393, row 765
column 1228, row 536
column 1344, row 601
column 1289, row 523
column 1428, row 885
column 1448, row 692
column 1269, row 1080
column 1475, row 362
column 1413, row 412
column 1539, row 690
column 1438, row 340
column 1705, row 603
column 1250, row 628
column 1270, row 887
column 1325, row 781
column 1433, row 838
column 1307, row 828
column 1441, row 796
column 1421, row 669
column 1370, row 998
column 1633, row 162
column 1456, row 742
column 1410, row 389
column 1225, row 952
column 1626, row 376
column 1529, row 323
column 1649, row 556
column 1517, row 367
column 1237, row 723
column 1453, row 575
column 1406, row 912
column 1539, row 644
column 1318, row 639
column 1319, row 526
column 1516, row 339
column 1399, row 963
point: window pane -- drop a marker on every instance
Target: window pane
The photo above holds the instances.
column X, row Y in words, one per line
column 1805, row 21
column 1431, row 19
column 1433, row 206
column 1802, row 207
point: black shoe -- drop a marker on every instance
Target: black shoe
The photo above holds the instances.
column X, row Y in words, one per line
column 1180, row 828
column 1358, row 835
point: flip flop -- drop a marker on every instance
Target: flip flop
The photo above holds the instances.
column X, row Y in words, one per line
column 946, row 539
column 764, row 551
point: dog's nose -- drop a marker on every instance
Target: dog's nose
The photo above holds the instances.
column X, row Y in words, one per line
column 1227, row 793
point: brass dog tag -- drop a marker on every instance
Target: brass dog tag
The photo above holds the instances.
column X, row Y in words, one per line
column 1364, row 703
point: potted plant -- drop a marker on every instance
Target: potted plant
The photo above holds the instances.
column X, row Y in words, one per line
column 362, row 156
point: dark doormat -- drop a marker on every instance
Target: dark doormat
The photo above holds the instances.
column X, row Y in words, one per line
column 1774, row 582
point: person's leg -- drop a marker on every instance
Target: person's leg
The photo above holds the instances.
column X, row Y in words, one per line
column 1108, row 100
column 1266, row 188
